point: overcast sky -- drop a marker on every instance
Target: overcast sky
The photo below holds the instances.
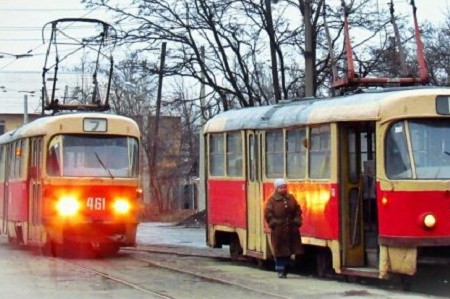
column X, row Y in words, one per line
column 21, row 22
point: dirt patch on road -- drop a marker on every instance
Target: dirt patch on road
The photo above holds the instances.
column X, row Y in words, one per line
column 169, row 216
column 195, row 220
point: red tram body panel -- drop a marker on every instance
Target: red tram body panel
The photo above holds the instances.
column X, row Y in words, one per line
column 18, row 201
column 227, row 204
column 407, row 209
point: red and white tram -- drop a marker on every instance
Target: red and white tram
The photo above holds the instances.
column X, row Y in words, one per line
column 371, row 172
column 71, row 178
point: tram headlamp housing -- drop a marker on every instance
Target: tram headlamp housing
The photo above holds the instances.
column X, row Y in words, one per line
column 67, row 206
column 121, row 206
column 429, row 221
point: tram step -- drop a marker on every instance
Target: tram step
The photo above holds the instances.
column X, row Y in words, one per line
column 255, row 254
column 372, row 257
column 361, row 271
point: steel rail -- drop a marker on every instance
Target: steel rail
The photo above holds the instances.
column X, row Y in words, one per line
column 118, row 280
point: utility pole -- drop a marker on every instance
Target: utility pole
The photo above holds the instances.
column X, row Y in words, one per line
column 25, row 109
column 153, row 172
column 309, row 53
column 25, row 104
column 273, row 53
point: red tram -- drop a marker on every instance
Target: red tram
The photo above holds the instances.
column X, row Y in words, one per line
column 371, row 172
column 71, row 178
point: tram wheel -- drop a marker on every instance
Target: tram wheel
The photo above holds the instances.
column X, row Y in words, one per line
column 405, row 281
column 12, row 241
column 264, row 264
column 107, row 249
column 323, row 263
column 235, row 248
column 49, row 249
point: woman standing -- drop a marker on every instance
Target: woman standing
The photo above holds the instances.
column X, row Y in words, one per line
column 283, row 215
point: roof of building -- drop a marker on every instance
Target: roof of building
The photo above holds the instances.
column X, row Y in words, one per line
column 15, row 106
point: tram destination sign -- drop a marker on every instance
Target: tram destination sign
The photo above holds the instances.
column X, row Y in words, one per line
column 95, row 125
column 443, row 105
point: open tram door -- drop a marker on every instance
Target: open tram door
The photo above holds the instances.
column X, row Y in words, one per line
column 359, row 221
column 256, row 239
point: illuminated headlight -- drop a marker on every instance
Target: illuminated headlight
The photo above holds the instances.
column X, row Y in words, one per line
column 429, row 221
column 68, row 206
column 121, row 206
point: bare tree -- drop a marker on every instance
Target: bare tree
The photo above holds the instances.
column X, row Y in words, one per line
column 238, row 37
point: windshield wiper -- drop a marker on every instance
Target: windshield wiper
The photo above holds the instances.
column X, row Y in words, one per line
column 103, row 165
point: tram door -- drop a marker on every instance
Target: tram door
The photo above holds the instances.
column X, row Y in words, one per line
column 356, row 158
column 5, row 161
column 35, row 189
column 255, row 230
column 6, row 195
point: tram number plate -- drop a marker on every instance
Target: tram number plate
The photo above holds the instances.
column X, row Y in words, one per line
column 95, row 125
column 96, row 203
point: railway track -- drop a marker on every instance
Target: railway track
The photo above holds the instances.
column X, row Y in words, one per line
column 430, row 280
column 117, row 279
column 209, row 278
column 138, row 255
column 186, row 265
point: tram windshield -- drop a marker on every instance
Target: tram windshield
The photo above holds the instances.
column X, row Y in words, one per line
column 92, row 156
column 430, row 149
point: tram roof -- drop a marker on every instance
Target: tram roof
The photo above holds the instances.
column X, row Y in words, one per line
column 363, row 106
column 44, row 125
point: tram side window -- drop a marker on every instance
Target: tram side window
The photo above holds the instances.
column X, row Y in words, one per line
column 54, row 157
column 21, row 151
column 274, row 154
column 16, row 160
column 319, row 152
column 133, row 157
column 234, row 155
column 397, row 163
column 216, row 155
column 295, row 154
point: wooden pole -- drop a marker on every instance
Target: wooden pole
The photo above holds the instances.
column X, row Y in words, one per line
column 155, row 131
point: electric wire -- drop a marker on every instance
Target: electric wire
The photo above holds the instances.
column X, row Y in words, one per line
column 40, row 45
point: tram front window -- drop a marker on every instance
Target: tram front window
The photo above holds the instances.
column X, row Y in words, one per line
column 430, row 149
column 430, row 141
column 92, row 156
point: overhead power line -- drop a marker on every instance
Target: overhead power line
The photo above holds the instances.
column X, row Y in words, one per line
column 41, row 44
column 40, row 9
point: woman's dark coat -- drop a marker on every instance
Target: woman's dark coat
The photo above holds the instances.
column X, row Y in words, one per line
column 284, row 217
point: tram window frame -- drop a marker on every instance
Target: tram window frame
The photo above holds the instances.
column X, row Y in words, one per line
column 234, row 155
column 54, row 163
column 277, row 152
column 297, row 157
column 319, row 156
column 213, row 170
column 17, row 160
column 22, row 158
column 388, row 160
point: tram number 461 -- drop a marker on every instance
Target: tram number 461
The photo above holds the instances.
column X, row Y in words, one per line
column 96, row 203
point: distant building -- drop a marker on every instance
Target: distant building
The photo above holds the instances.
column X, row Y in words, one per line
column 174, row 172
column 11, row 115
